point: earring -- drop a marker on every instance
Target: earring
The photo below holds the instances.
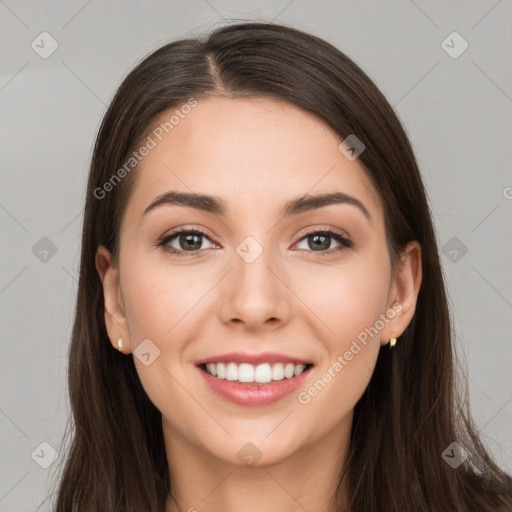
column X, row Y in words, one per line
column 120, row 344
column 392, row 342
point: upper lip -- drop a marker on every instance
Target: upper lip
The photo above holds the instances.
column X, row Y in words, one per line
column 254, row 359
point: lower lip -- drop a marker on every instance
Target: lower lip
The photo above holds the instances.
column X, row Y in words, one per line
column 254, row 394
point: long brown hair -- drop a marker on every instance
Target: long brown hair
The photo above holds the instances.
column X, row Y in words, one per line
column 411, row 410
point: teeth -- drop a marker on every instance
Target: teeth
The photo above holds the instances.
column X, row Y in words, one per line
column 221, row 370
column 245, row 372
column 232, row 371
column 278, row 371
column 261, row 374
column 298, row 369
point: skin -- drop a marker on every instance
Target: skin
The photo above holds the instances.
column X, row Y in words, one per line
column 255, row 154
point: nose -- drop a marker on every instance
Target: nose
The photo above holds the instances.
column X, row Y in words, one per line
column 254, row 293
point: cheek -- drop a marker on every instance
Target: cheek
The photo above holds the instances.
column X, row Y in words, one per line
column 348, row 303
column 160, row 304
column 347, row 300
column 160, row 301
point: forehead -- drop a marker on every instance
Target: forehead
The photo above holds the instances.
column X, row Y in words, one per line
column 252, row 152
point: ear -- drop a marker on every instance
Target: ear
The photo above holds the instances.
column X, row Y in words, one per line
column 115, row 319
column 404, row 290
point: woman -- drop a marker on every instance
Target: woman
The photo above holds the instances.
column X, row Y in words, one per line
column 256, row 234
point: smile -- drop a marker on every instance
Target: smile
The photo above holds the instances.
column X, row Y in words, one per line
column 260, row 374
column 254, row 379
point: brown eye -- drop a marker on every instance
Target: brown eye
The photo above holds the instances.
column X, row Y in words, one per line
column 187, row 241
column 190, row 241
column 321, row 242
column 318, row 242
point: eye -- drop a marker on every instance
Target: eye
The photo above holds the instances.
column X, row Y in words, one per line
column 189, row 240
column 321, row 242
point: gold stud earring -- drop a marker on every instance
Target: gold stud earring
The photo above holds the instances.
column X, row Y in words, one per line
column 392, row 342
column 120, row 344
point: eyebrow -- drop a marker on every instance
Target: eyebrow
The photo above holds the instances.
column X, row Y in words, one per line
column 217, row 206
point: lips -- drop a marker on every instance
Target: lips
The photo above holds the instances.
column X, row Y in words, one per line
column 254, row 379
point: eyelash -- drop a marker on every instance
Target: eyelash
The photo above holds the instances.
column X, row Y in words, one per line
column 339, row 236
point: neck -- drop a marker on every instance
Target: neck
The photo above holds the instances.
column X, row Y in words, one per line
column 305, row 480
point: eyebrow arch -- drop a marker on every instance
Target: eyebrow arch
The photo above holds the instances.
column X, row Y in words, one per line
column 217, row 206
column 211, row 204
column 311, row 202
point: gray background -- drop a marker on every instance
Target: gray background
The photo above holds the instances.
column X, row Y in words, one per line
column 457, row 112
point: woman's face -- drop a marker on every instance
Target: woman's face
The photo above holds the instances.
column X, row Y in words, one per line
column 257, row 288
